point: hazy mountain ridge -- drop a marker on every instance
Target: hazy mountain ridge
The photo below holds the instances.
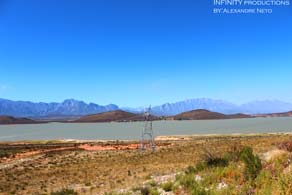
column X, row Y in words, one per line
column 255, row 107
column 194, row 104
column 67, row 107
column 71, row 107
column 266, row 106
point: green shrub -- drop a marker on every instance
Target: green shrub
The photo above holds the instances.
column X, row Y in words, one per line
column 190, row 170
column 145, row 191
column 167, row 186
column 154, row 191
column 233, row 154
column 201, row 166
column 217, row 162
column 199, row 191
column 213, row 160
column 252, row 163
column 7, row 153
column 264, row 183
column 189, row 183
column 152, row 183
column 4, row 154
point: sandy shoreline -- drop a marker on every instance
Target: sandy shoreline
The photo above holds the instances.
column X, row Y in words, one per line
column 157, row 138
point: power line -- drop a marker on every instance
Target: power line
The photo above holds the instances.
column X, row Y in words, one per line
column 147, row 138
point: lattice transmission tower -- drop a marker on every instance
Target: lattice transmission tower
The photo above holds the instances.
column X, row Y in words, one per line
column 147, row 138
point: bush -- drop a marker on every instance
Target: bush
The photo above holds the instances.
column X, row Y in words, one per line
column 154, row 192
column 152, row 183
column 201, row 166
column 189, row 183
column 145, row 191
column 285, row 184
column 252, row 163
column 4, row 154
column 215, row 161
column 64, row 192
column 167, row 186
column 233, row 154
column 7, row 153
column 190, row 170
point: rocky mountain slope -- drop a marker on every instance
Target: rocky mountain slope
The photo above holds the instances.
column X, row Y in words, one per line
column 67, row 107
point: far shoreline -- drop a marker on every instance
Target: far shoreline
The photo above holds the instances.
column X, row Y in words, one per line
column 157, row 138
column 121, row 122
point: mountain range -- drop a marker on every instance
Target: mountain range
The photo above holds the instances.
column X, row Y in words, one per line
column 67, row 107
column 71, row 107
column 254, row 107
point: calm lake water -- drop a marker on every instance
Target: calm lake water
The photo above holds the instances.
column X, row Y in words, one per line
column 132, row 130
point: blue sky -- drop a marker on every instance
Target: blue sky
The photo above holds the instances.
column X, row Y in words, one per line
column 134, row 53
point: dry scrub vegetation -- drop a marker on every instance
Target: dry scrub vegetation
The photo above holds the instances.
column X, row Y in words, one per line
column 197, row 165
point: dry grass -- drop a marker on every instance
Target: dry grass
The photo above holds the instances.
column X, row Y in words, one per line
column 91, row 172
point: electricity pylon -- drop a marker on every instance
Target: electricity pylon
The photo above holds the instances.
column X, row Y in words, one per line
column 147, row 138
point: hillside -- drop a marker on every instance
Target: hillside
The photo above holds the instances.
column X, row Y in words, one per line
column 68, row 107
column 117, row 115
column 202, row 114
column 231, row 116
column 12, row 120
column 282, row 114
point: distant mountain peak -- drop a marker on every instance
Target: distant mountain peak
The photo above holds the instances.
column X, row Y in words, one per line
column 67, row 107
column 194, row 104
column 77, row 107
column 225, row 107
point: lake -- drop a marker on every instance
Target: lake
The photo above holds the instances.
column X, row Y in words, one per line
column 132, row 130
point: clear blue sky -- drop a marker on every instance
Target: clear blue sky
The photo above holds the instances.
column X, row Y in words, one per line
column 140, row 52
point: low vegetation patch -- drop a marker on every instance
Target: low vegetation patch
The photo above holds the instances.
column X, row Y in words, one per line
column 7, row 153
column 168, row 186
column 199, row 165
column 235, row 172
column 252, row 163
